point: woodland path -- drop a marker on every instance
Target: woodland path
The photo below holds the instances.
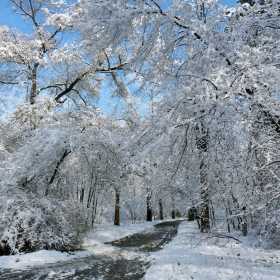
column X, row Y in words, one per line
column 117, row 266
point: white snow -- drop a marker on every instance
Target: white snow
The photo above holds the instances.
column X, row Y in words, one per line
column 93, row 244
column 190, row 257
column 37, row 258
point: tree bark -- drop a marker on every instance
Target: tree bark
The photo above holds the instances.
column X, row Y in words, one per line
column 205, row 219
column 82, row 195
column 173, row 214
column 204, row 209
column 192, row 213
column 94, row 210
column 160, row 210
column 149, row 209
column 204, row 212
column 33, row 93
column 244, row 222
column 117, row 209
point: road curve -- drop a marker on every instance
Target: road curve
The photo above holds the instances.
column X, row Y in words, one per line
column 106, row 267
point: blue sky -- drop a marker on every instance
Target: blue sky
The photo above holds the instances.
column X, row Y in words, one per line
column 8, row 17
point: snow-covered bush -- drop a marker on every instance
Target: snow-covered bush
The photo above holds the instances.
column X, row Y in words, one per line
column 29, row 223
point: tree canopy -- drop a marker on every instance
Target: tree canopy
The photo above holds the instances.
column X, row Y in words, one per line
column 208, row 142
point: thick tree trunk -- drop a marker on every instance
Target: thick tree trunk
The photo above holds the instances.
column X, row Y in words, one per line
column 192, row 213
column 160, row 210
column 117, row 209
column 205, row 219
column 90, row 196
column 204, row 209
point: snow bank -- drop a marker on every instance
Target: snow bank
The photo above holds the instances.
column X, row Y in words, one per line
column 37, row 258
column 188, row 257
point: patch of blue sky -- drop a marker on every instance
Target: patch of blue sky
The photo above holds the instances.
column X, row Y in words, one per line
column 229, row 3
column 11, row 19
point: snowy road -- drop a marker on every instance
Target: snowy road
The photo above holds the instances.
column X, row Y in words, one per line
column 129, row 261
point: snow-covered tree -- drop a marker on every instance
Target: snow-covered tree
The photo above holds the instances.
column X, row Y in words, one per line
column 43, row 62
column 219, row 68
column 209, row 141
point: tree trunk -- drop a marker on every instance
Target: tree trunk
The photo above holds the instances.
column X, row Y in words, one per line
column 90, row 195
column 33, row 93
column 204, row 211
column 228, row 221
column 149, row 209
column 204, row 215
column 244, row 222
column 117, row 209
column 192, row 213
column 205, row 220
column 160, row 210
column 173, row 214
column 82, row 195
column 94, row 210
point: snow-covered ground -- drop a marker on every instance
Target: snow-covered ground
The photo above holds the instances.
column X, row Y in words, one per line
column 93, row 244
column 22, row 261
column 188, row 257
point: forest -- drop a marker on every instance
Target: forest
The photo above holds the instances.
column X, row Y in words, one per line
column 192, row 129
